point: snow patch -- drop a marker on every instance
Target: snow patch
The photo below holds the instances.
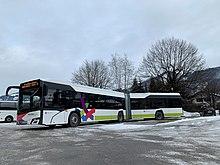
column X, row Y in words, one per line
column 193, row 121
column 7, row 124
column 122, row 126
column 190, row 114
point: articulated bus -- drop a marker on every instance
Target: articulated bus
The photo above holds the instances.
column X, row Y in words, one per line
column 155, row 105
column 48, row 103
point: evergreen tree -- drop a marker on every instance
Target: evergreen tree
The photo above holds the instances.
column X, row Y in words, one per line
column 156, row 85
column 137, row 87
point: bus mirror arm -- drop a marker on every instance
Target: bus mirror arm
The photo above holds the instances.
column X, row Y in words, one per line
column 11, row 87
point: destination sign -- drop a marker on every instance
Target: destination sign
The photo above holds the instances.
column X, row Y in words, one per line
column 30, row 84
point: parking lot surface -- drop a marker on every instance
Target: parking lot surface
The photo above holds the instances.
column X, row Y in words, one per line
column 171, row 141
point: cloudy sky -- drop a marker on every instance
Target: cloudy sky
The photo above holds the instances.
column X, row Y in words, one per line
column 50, row 39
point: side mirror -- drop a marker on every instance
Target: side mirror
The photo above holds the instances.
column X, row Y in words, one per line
column 9, row 88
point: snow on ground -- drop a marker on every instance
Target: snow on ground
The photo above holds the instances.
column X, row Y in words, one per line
column 122, row 126
column 7, row 124
column 190, row 114
column 190, row 140
column 198, row 121
column 193, row 121
column 186, row 141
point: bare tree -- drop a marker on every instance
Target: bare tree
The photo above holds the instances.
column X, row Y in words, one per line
column 122, row 72
column 127, row 72
column 94, row 73
column 115, row 70
column 172, row 61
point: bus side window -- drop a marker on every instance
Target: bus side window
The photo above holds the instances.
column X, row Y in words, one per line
column 52, row 99
column 113, row 102
column 49, row 98
column 134, row 104
column 67, row 99
column 76, row 100
column 174, row 103
column 147, row 105
column 99, row 101
column 56, row 97
column 91, row 101
column 138, row 104
column 158, row 103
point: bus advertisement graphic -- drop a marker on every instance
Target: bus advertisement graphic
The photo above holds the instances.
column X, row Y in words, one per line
column 85, row 113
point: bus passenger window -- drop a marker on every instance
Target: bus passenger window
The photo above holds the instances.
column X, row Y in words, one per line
column 56, row 97
column 158, row 103
column 67, row 99
column 52, row 98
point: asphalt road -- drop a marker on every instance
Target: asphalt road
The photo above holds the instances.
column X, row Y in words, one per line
column 186, row 141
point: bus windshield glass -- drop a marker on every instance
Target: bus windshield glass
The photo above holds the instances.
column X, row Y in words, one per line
column 30, row 99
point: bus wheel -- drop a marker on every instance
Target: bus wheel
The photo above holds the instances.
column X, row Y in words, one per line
column 120, row 117
column 159, row 115
column 74, row 120
column 9, row 119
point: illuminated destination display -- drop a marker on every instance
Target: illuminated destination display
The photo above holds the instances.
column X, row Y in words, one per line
column 30, row 84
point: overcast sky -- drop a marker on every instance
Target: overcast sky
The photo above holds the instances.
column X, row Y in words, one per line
column 50, row 39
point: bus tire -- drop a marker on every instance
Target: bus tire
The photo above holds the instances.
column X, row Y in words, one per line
column 120, row 117
column 159, row 115
column 9, row 119
column 74, row 120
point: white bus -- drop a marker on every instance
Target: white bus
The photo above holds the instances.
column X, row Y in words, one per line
column 8, row 111
column 155, row 105
column 48, row 103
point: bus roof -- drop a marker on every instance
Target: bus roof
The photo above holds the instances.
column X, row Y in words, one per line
column 144, row 95
column 87, row 89
column 108, row 92
column 99, row 91
column 81, row 88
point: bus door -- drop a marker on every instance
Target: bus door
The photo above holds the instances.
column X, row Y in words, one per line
column 54, row 109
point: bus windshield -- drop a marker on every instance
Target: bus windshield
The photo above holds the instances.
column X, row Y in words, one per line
column 30, row 99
